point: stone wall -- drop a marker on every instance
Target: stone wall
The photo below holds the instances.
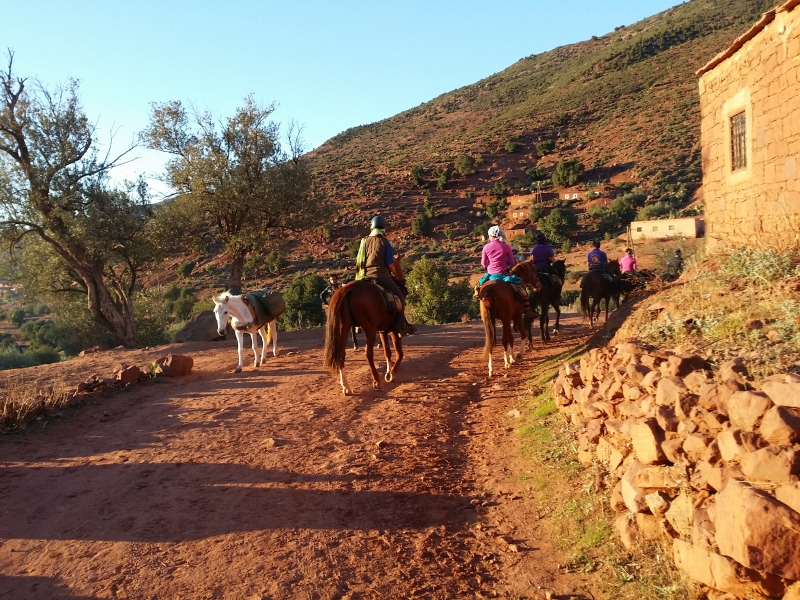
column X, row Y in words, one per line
column 706, row 464
column 760, row 203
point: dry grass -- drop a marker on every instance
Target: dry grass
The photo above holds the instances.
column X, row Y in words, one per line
column 20, row 404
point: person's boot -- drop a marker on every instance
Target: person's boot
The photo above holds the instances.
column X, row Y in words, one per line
column 527, row 311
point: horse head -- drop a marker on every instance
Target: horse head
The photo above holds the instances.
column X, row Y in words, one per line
column 613, row 268
column 560, row 268
column 221, row 312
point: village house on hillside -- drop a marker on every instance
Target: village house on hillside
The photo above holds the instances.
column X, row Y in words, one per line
column 665, row 228
column 750, row 107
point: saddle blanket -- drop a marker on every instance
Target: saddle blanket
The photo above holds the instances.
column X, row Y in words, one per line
column 393, row 302
column 268, row 304
column 500, row 277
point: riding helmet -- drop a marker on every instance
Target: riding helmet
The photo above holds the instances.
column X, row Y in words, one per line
column 540, row 237
column 378, row 222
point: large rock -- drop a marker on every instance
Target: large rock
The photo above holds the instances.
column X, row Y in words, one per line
column 669, row 391
column 647, row 438
column 734, row 442
column 658, row 503
column 745, row 409
column 680, row 365
column 681, row 515
column 786, row 393
column 665, row 416
column 174, row 365
column 128, row 375
column 695, row 445
column 734, row 370
column 789, row 494
column 758, row 531
column 781, row 425
column 636, row 373
column 201, row 328
column 775, row 464
column 723, row 574
column 609, row 455
column 633, row 495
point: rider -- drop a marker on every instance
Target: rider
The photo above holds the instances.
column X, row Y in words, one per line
column 675, row 264
column 596, row 258
column 627, row 263
column 543, row 255
column 327, row 293
column 497, row 258
column 375, row 262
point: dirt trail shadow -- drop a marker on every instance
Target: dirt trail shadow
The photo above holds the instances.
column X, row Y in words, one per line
column 40, row 587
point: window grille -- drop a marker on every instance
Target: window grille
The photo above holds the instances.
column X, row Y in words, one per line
column 738, row 142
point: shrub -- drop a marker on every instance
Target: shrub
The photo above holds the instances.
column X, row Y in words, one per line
column 17, row 317
column 566, row 247
column 416, row 174
column 558, row 225
column 352, row 247
column 303, row 306
column 465, row 165
column 567, row 172
column 545, row 147
column 535, row 214
column 512, row 146
column 326, row 231
column 40, row 334
column 185, row 270
column 537, row 173
column 493, row 209
column 421, row 225
column 500, row 188
column 449, row 234
column 275, row 262
column 152, row 317
column 172, row 292
column 433, row 300
column 252, row 266
column 655, row 211
column 482, row 229
column 183, row 305
column 429, row 208
column 756, row 267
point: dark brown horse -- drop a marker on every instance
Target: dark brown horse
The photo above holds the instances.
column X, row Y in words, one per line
column 499, row 301
column 549, row 295
column 362, row 304
column 596, row 287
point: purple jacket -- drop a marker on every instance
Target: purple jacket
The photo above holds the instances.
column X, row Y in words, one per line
column 497, row 257
column 597, row 258
column 541, row 254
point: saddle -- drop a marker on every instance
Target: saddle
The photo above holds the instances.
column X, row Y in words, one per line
column 517, row 285
column 265, row 304
column 393, row 302
column 554, row 280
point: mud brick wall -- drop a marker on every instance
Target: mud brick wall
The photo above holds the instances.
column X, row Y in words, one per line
column 707, row 463
column 759, row 203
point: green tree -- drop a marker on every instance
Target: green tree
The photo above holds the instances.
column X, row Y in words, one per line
column 558, row 225
column 537, row 173
column 536, row 214
column 466, row 165
column 417, row 171
column 500, row 188
column 276, row 262
column 17, row 317
column 567, row 172
column 493, row 208
column 236, row 182
column 70, row 231
column 433, row 299
column 303, row 306
column 421, row 225
column 545, row 147
column 512, row 146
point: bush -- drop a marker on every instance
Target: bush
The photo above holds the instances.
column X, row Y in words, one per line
column 183, row 305
column 14, row 359
column 433, row 300
column 535, row 214
column 40, row 334
column 276, row 262
column 172, row 292
column 185, row 270
column 500, row 188
column 567, row 172
column 482, row 229
column 655, row 211
column 421, row 225
column 152, row 317
column 17, row 317
column 756, row 267
column 537, row 173
column 566, row 247
column 429, row 208
column 352, row 247
column 558, row 225
column 493, row 209
column 303, row 306
column 416, row 174
column 465, row 165
column 449, row 234
column 326, row 231
column 252, row 266
column 512, row 146
column 545, row 147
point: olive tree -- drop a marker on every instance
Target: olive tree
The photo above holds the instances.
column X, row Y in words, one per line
column 234, row 177
column 56, row 204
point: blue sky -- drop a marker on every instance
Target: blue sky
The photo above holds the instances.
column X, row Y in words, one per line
column 328, row 65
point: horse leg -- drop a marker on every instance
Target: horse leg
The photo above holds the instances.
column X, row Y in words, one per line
column 355, row 340
column 273, row 333
column 397, row 342
column 608, row 301
column 240, row 343
column 508, row 341
column 264, row 333
column 522, row 333
column 343, row 382
column 254, row 345
column 557, row 308
column 370, row 333
column 387, row 353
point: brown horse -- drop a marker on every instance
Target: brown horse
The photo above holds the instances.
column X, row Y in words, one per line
column 361, row 303
column 549, row 295
column 498, row 301
column 596, row 287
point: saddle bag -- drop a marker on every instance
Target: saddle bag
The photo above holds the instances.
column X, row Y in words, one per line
column 393, row 303
column 268, row 304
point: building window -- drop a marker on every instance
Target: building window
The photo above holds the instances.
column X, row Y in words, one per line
column 672, row 227
column 738, row 142
column 574, row 196
column 515, row 215
column 566, row 196
column 638, row 229
column 655, row 227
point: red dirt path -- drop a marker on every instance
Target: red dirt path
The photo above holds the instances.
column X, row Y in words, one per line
column 272, row 484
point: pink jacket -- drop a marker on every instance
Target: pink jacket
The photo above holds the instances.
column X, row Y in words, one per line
column 497, row 257
column 627, row 263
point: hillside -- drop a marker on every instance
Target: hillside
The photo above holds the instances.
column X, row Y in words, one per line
column 625, row 104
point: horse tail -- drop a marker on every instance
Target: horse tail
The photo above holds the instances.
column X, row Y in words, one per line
column 488, row 326
column 336, row 330
column 585, row 302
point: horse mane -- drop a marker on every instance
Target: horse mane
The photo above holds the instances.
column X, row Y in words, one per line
column 526, row 271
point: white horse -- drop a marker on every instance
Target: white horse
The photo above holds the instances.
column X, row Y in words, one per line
column 243, row 320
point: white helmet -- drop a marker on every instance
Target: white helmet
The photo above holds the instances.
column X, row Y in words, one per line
column 496, row 232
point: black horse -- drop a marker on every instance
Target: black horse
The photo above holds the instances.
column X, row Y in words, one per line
column 548, row 295
column 598, row 286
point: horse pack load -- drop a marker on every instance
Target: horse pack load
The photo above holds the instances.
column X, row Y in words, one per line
column 268, row 304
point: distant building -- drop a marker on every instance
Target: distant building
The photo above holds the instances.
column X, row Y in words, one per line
column 664, row 228
column 750, row 109
column 515, row 231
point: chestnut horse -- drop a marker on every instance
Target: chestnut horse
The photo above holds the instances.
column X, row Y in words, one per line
column 498, row 301
column 361, row 303
column 596, row 287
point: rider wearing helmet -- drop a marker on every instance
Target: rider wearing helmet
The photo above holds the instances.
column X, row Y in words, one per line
column 375, row 262
column 498, row 258
column 596, row 258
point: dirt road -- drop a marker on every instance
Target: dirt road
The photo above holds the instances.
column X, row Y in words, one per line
column 272, row 484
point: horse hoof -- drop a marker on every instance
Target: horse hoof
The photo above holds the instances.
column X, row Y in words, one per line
column 376, row 385
column 388, row 377
column 346, row 391
column 238, row 370
column 276, row 354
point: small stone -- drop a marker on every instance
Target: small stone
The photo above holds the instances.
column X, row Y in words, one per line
column 514, row 413
column 673, row 449
column 647, row 438
column 753, row 324
column 658, row 503
column 786, row 393
column 695, row 446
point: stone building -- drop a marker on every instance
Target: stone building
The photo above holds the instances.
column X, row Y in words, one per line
column 666, row 228
column 750, row 108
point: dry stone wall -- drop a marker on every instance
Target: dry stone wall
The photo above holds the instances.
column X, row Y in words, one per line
column 709, row 464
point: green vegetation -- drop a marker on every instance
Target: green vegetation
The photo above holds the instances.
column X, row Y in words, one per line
column 303, row 306
column 500, row 188
column 416, row 175
column 493, row 209
column 512, row 146
column 433, row 300
column 465, row 165
column 567, row 173
column 558, row 225
column 545, row 147
column 185, row 270
column 537, row 173
column 535, row 214
column 421, row 225
column 276, row 261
